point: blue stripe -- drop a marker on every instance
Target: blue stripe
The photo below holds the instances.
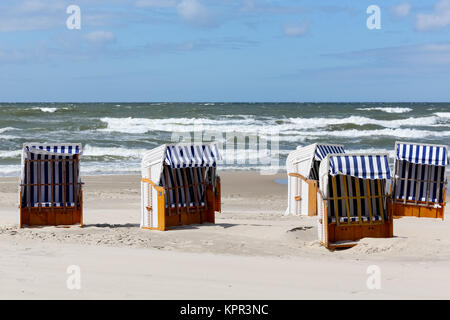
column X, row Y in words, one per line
column 355, row 164
column 437, row 157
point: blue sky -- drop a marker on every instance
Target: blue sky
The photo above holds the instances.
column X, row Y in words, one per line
column 224, row 50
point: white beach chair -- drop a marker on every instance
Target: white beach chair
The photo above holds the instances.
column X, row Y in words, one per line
column 50, row 185
column 302, row 166
column 180, row 185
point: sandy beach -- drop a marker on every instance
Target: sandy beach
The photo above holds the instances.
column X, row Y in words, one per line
column 252, row 252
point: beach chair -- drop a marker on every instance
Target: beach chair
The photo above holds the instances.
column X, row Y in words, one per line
column 180, row 186
column 50, row 185
column 353, row 199
column 302, row 166
column 419, row 185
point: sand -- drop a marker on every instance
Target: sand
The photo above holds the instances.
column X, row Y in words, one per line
column 252, row 252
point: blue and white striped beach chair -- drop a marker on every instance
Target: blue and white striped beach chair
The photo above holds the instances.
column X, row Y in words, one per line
column 354, row 202
column 180, row 185
column 419, row 184
column 50, row 187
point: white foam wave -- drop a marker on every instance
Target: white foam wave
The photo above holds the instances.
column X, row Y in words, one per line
column 7, row 137
column 109, row 168
column 387, row 109
column 7, row 129
column 357, row 120
column 92, row 151
column 400, row 133
column 373, row 150
column 250, row 124
column 9, row 170
column 443, row 114
column 142, row 125
column 43, row 109
column 10, row 154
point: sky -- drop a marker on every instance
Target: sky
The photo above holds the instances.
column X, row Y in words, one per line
column 224, row 50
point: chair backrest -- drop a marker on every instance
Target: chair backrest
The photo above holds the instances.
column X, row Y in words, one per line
column 354, row 186
column 185, row 186
column 354, row 197
column 419, row 172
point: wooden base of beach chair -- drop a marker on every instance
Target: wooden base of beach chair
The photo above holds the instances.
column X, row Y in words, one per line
column 420, row 211
column 51, row 216
column 171, row 217
column 346, row 235
column 193, row 215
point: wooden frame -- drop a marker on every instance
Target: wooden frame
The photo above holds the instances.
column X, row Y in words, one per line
column 346, row 234
column 178, row 215
column 29, row 215
column 312, row 192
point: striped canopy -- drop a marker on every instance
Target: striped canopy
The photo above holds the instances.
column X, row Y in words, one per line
column 323, row 150
column 421, row 154
column 189, row 156
column 361, row 166
column 52, row 149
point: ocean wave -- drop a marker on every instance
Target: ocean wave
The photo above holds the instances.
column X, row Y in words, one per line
column 43, row 109
column 443, row 114
column 48, row 109
column 93, row 151
column 7, row 137
column 362, row 121
column 391, row 152
column 6, row 154
column 400, row 133
column 7, row 129
column 387, row 109
column 9, row 170
column 144, row 125
column 109, row 168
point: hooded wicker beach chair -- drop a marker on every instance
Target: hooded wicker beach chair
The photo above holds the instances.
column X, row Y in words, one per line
column 419, row 184
column 50, row 185
column 302, row 167
column 353, row 199
column 180, row 186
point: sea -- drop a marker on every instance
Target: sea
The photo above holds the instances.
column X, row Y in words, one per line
column 251, row 135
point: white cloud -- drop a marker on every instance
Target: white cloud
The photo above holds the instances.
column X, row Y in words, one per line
column 439, row 19
column 100, row 37
column 156, row 3
column 194, row 12
column 296, row 30
column 401, row 10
